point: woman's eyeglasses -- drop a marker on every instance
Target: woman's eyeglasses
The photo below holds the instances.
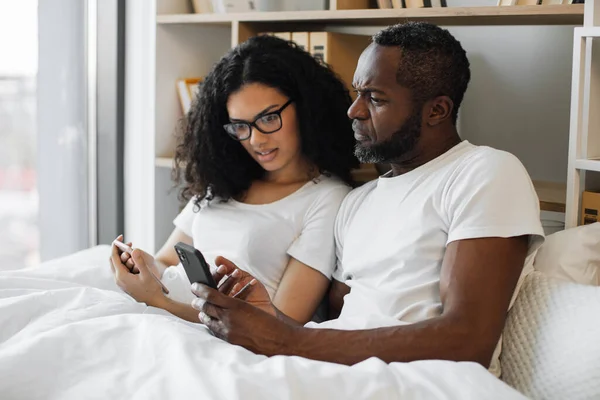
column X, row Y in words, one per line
column 266, row 123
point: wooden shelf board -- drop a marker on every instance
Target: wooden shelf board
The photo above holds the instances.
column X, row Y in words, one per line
column 591, row 164
column 491, row 15
column 163, row 162
column 552, row 195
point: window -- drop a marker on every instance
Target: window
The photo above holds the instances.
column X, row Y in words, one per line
column 19, row 233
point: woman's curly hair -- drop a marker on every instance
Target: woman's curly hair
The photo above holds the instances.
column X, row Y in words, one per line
column 215, row 165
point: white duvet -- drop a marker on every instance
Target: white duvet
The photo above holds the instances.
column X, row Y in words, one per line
column 67, row 332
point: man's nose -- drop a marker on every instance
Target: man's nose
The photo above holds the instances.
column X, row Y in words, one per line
column 358, row 110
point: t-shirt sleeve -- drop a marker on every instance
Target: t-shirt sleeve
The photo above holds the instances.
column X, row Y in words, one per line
column 185, row 220
column 315, row 246
column 491, row 195
column 339, row 233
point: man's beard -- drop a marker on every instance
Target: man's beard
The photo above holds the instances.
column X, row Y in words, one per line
column 400, row 143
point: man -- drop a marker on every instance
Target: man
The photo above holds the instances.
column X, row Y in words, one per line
column 430, row 254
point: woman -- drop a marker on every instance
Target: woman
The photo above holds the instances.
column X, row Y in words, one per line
column 266, row 152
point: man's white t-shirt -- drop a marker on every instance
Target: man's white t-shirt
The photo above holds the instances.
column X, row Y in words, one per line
column 392, row 233
column 260, row 239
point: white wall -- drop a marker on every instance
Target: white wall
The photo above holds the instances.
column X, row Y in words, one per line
column 519, row 96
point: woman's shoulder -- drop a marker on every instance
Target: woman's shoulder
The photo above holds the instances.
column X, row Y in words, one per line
column 329, row 184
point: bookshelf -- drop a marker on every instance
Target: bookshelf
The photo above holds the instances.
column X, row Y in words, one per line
column 171, row 43
column 518, row 15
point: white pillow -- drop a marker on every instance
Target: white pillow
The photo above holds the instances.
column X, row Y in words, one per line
column 551, row 341
column 572, row 255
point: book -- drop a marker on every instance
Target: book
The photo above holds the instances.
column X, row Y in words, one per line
column 384, row 4
column 425, row 3
column 301, row 39
column 340, row 51
column 283, row 35
column 232, row 6
column 397, row 4
column 187, row 90
column 202, row 6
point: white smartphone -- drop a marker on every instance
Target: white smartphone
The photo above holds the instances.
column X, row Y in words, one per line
column 126, row 249
column 123, row 247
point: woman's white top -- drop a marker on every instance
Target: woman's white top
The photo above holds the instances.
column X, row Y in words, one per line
column 260, row 239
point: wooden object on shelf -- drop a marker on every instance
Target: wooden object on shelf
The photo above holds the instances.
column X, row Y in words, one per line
column 522, row 15
column 187, row 90
column 387, row 4
column 397, row 4
column 202, row 6
column 590, row 208
column 552, row 195
column 283, row 35
column 528, row 2
column 164, row 162
column 348, row 4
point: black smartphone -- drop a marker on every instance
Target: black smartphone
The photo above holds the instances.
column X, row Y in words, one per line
column 195, row 265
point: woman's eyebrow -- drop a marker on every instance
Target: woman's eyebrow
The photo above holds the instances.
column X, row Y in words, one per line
column 265, row 110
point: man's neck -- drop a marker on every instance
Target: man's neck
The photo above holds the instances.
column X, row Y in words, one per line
column 425, row 151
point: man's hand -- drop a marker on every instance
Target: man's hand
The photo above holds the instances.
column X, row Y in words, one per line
column 144, row 286
column 241, row 323
column 236, row 280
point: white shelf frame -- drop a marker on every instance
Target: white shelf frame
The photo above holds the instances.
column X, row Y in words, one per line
column 585, row 97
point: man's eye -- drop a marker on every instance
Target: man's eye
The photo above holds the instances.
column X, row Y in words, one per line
column 375, row 100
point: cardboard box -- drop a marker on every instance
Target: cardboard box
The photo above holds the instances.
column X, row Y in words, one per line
column 590, row 208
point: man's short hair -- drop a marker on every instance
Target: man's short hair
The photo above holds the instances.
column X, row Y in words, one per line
column 433, row 62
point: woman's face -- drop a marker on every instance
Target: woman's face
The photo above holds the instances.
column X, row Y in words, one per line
column 257, row 103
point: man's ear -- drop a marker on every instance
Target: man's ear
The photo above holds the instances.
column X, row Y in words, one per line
column 440, row 110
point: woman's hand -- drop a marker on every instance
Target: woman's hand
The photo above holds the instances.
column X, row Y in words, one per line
column 130, row 264
column 143, row 286
column 235, row 280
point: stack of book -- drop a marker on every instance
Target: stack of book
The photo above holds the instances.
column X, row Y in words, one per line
column 338, row 50
column 410, row 3
column 537, row 2
column 241, row 6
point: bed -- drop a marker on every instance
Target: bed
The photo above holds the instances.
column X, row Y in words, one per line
column 68, row 332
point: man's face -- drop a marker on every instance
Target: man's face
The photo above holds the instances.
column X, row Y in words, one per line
column 386, row 123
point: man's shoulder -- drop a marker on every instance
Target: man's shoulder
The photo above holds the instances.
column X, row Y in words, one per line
column 356, row 195
column 354, row 199
column 484, row 161
column 488, row 156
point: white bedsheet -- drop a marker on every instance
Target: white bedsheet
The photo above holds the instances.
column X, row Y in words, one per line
column 67, row 332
